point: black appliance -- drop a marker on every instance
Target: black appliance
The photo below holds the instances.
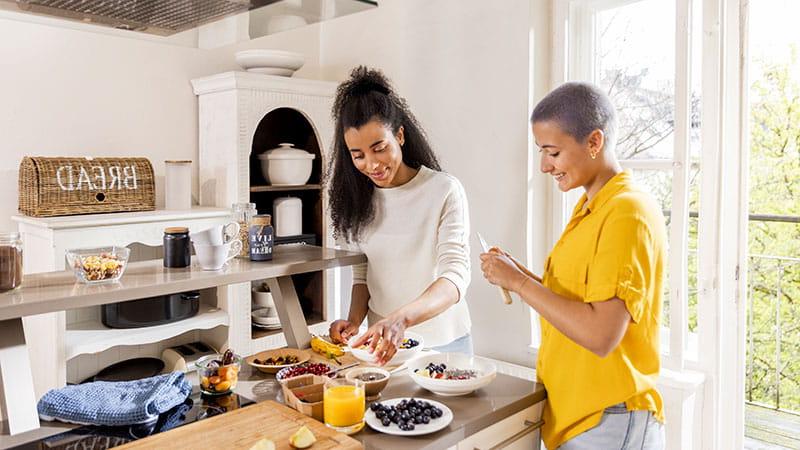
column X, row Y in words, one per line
column 151, row 311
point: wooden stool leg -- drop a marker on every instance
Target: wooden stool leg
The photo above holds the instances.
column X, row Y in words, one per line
column 17, row 398
column 295, row 328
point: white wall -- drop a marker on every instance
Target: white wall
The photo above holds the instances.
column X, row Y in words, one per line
column 463, row 67
column 69, row 92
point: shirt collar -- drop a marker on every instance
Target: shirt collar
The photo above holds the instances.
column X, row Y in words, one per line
column 612, row 186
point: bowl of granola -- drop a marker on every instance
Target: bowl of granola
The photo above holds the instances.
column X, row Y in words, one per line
column 98, row 265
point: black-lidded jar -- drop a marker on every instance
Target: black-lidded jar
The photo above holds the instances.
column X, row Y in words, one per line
column 177, row 250
column 261, row 238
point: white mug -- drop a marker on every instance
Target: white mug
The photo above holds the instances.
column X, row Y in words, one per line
column 217, row 235
column 214, row 257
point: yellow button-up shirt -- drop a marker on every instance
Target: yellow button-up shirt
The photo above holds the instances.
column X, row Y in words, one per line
column 614, row 246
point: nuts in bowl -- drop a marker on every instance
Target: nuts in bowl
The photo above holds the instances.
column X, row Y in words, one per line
column 98, row 265
column 271, row 361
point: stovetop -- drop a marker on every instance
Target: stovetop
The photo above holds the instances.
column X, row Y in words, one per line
column 196, row 407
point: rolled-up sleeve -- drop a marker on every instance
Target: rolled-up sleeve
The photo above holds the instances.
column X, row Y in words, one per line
column 622, row 266
column 452, row 246
column 359, row 270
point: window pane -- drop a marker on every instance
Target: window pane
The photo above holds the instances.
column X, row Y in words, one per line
column 659, row 184
column 635, row 63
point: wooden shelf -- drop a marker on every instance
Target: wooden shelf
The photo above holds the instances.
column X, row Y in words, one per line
column 93, row 337
column 299, row 187
column 58, row 291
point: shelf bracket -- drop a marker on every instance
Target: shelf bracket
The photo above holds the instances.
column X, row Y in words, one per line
column 295, row 328
column 17, row 397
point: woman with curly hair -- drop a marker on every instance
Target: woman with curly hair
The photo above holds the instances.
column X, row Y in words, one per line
column 390, row 200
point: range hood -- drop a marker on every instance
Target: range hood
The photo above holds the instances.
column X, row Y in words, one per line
column 158, row 17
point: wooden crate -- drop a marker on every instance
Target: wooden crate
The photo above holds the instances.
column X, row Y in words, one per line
column 68, row 186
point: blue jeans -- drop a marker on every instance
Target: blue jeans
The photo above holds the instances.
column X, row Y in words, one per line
column 460, row 345
column 621, row 429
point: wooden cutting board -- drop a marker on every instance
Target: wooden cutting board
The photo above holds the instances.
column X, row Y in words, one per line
column 243, row 427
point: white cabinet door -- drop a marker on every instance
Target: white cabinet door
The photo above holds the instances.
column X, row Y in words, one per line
column 520, row 431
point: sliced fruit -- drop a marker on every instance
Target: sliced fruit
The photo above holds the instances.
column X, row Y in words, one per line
column 324, row 347
column 302, row 438
column 263, row 444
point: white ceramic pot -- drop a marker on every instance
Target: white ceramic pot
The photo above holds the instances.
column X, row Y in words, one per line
column 286, row 166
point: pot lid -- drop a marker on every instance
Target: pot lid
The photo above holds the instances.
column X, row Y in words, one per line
column 286, row 151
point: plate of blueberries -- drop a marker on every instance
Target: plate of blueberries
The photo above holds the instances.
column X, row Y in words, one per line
column 407, row 416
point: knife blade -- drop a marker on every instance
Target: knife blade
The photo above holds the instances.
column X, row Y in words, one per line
column 503, row 292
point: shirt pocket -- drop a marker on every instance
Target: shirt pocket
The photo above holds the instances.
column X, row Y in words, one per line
column 567, row 278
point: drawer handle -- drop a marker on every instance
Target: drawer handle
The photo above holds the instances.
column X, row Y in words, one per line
column 530, row 427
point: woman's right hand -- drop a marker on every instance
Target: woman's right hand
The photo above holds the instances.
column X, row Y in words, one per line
column 342, row 330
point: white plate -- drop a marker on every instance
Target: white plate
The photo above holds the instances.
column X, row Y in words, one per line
column 277, row 71
column 434, row 426
column 267, row 327
column 265, row 316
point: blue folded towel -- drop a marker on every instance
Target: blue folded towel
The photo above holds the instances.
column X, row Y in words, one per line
column 115, row 403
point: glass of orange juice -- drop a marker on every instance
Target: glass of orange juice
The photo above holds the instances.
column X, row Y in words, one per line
column 344, row 402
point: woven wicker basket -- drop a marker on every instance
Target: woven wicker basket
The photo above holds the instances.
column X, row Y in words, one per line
column 69, row 186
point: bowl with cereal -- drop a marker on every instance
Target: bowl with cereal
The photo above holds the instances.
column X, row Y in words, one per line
column 98, row 265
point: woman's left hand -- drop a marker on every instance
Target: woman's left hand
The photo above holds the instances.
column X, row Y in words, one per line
column 384, row 338
column 500, row 270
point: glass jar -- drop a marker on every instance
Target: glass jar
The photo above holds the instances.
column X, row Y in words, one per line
column 177, row 250
column 261, row 238
column 10, row 261
column 243, row 214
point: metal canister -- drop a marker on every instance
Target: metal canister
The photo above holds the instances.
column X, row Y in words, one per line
column 261, row 238
column 177, row 249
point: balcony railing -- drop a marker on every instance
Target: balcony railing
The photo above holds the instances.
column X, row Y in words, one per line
column 773, row 332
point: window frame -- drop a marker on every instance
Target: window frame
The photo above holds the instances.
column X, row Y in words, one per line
column 719, row 343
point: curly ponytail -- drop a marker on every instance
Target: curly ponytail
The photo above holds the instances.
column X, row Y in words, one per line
column 367, row 95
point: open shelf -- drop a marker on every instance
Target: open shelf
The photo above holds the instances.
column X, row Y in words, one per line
column 258, row 333
column 298, row 187
column 93, row 337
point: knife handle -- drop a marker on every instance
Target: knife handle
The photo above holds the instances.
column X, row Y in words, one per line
column 506, row 295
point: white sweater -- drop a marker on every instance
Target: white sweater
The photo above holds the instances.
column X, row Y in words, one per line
column 420, row 234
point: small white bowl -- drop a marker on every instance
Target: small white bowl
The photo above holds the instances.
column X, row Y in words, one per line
column 400, row 357
column 278, row 59
column 486, row 373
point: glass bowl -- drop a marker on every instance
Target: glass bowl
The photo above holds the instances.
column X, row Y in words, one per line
column 98, row 265
column 216, row 379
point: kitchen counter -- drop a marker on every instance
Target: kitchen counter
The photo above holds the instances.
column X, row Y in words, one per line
column 504, row 397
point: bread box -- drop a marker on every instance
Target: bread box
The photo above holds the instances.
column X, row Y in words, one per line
column 67, row 186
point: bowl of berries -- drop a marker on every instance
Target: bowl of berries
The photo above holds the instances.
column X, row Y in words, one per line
column 451, row 374
column 409, row 347
column 312, row 368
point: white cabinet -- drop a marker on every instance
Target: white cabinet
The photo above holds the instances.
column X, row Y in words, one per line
column 74, row 344
column 520, row 431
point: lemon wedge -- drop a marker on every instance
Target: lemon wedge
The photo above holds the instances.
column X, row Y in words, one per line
column 302, row 438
